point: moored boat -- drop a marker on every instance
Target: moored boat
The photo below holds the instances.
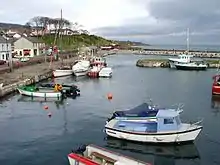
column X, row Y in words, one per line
column 63, row 71
column 94, row 155
column 98, row 60
column 33, row 91
column 69, row 90
column 105, row 72
column 158, row 126
column 216, row 85
column 191, row 66
column 81, row 68
column 94, row 71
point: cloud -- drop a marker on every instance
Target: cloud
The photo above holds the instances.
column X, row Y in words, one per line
column 149, row 20
column 168, row 20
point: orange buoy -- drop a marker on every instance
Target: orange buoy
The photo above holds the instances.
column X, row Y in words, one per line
column 109, row 96
column 46, row 107
column 49, row 114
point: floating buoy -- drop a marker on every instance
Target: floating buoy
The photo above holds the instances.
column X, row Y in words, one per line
column 46, row 107
column 49, row 114
column 109, row 96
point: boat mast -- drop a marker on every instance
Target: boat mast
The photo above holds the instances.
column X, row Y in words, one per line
column 61, row 26
column 187, row 40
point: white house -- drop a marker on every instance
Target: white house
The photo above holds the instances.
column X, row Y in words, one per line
column 27, row 46
column 5, row 49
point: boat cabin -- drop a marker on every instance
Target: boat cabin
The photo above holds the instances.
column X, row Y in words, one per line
column 183, row 58
column 165, row 120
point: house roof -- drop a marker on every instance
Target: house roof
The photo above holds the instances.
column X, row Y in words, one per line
column 3, row 40
column 31, row 39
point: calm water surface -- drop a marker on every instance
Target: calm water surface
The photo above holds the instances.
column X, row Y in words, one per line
column 29, row 137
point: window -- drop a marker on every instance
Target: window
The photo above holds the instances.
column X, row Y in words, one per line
column 7, row 56
column 20, row 53
column 3, row 56
column 168, row 121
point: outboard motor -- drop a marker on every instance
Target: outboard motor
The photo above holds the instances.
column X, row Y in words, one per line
column 80, row 150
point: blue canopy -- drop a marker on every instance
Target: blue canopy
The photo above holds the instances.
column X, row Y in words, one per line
column 143, row 110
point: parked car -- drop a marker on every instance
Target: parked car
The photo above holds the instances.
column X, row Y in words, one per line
column 2, row 62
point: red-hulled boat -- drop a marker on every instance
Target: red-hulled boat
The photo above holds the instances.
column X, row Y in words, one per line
column 98, row 61
column 216, row 85
column 94, row 71
column 94, row 155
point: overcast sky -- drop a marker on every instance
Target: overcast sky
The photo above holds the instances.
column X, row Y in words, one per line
column 151, row 21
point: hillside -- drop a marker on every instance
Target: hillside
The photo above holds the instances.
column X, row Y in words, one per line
column 78, row 40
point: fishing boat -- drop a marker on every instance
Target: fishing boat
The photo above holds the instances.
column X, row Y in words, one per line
column 186, row 61
column 98, row 60
column 157, row 126
column 33, row 91
column 192, row 65
column 94, row 71
column 69, row 90
column 63, row 71
column 216, row 85
column 95, row 155
column 105, row 72
column 81, row 68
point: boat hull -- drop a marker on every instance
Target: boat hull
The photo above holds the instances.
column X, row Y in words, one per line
column 93, row 74
column 182, row 67
column 215, row 90
column 62, row 73
column 80, row 73
column 174, row 137
column 93, row 152
column 57, row 95
column 106, row 75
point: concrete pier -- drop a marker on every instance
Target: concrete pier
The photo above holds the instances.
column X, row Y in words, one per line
column 163, row 63
column 28, row 75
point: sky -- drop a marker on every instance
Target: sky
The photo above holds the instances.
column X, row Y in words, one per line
column 149, row 21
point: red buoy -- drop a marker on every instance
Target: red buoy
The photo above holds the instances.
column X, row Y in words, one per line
column 109, row 96
column 46, row 107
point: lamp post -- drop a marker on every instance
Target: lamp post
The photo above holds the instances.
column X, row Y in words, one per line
column 9, row 56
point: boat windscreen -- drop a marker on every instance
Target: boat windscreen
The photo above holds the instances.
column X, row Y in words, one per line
column 143, row 110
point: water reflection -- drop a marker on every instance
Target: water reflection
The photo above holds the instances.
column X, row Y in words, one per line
column 40, row 100
column 215, row 104
column 161, row 153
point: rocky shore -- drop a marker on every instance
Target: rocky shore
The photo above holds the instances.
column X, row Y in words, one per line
column 162, row 63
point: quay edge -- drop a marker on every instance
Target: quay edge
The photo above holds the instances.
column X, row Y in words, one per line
column 163, row 63
column 11, row 88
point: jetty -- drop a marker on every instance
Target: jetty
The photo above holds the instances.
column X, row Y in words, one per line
column 163, row 63
column 173, row 52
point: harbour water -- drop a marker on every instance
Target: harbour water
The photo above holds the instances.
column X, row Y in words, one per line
column 28, row 136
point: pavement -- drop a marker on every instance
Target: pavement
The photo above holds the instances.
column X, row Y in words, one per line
column 31, row 70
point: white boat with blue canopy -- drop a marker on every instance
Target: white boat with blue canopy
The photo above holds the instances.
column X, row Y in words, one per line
column 165, row 127
column 143, row 110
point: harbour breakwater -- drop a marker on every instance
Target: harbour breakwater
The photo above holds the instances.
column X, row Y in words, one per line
column 201, row 54
column 163, row 63
column 29, row 75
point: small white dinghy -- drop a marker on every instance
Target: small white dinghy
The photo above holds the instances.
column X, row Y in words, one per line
column 105, row 72
column 81, row 68
column 94, row 155
column 63, row 71
column 157, row 126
